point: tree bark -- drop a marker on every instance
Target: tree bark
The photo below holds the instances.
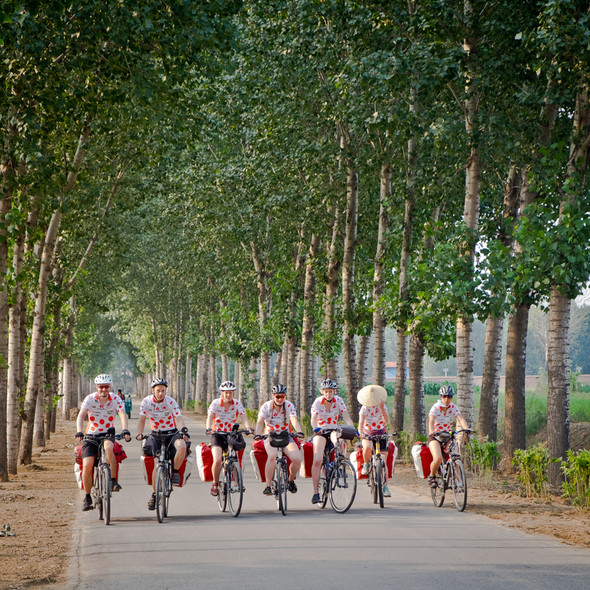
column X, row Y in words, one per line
column 417, row 417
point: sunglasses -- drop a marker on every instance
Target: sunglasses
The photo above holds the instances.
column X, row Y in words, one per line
column 281, row 396
column 447, row 396
column 104, row 386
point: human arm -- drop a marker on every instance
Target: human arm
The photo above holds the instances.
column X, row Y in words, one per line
column 140, row 426
column 361, row 421
column 80, row 422
column 430, row 424
column 384, row 412
column 346, row 417
column 259, row 424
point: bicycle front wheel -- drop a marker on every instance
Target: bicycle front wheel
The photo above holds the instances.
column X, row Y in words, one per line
column 282, row 483
column 160, row 493
column 236, row 489
column 323, row 487
column 459, row 483
column 105, row 491
column 96, row 492
column 438, row 492
column 222, row 491
column 379, row 472
column 342, row 485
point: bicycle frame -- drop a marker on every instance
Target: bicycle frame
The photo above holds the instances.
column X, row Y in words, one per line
column 451, row 474
column 378, row 472
column 231, row 487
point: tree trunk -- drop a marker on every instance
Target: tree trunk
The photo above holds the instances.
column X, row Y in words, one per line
column 361, row 360
column 5, row 206
column 399, row 401
column 252, row 390
column 263, row 305
column 212, row 374
column 417, row 418
column 330, row 370
column 490, row 385
column 306, row 389
column 348, row 338
column 558, row 396
column 378, row 279
column 224, row 368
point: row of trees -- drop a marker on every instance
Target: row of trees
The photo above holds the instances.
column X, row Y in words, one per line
column 330, row 169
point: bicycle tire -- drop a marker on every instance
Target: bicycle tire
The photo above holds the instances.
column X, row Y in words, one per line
column 105, row 492
column 282, row 483
column 95, row 493
column 323, row 487
column 459, row 484
column 342, row 486
column 160, row 493
column 438, row 492
column 236, row 489
column 373, row 482
column 379, row 480
column 222, row 490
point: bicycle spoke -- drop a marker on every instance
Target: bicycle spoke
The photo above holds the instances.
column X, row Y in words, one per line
column 236, row 489
column 438, row 492
column 459, row 484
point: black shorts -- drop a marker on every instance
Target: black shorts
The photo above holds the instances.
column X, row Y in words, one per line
column 90, row 444
column 326, row 434
column 219, row 439
column 152, row 444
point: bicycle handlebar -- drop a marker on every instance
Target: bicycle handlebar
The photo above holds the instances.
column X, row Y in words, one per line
column 378, row 436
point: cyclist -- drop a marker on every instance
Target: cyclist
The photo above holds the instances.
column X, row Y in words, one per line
column 275, row 415
column 223, row 412
column 326, row 410
column 166, row 421
column 373, row 421
column 100, row 407
column 440, row 419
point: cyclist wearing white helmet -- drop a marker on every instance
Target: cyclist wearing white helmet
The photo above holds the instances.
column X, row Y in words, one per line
column 100, row 408
column 275, row 415
column 167, row 421
column 223, row 413
column 440, row 419
column 326, row 411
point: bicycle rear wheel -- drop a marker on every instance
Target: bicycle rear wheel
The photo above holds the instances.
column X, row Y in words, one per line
column 160, row 493
column 438, row 492
column 96, row 494
column 342, row 485
column 236, row 489
column 323, row 487
column 105, row 491
column 459, row 483
column 282, row 476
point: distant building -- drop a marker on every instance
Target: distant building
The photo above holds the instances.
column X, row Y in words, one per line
column 391, row 370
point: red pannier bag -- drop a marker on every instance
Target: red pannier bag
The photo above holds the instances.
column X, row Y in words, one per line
column 204, row 462
column 422, row 459
column 120, row 455
column 258, row 459
column 391, row 457
column 356, row 458
column 307, row 462
column 148, row 469
column 185, row 470
column 78, row 465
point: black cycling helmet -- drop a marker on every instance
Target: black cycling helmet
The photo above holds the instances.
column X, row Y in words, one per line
column 227, row 386
column 446, row 390
column 159, row 381
column 279, row 388
column 328, row 384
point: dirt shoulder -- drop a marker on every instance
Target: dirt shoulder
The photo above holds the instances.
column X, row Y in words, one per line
column 41, row 504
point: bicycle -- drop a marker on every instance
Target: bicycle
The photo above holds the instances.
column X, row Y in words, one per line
column 451, row 473
column 101, row 479
column 280, row 480
column 338, row 477
column 378, row 471
column 164, row 470
column 231, row 485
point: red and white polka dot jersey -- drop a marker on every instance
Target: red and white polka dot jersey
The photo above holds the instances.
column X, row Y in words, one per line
column 100, row 418
column 373, row 419
column 161, row 414
column 443, row 421
column 223, row 419
column 327, row 419
column 277, row 419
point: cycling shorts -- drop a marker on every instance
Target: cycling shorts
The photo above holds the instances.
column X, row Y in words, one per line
column 151, row 446
column 90, row 448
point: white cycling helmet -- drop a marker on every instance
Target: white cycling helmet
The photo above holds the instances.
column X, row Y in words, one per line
column 227, row 386
column 103, row 379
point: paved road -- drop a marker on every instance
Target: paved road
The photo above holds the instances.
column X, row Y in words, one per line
column 408, row 545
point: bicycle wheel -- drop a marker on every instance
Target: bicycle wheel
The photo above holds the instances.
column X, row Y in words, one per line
column 222, row 490
column 105, row 491
column 282, row 476
column 236, row 489
column 95, row 493
column 160, row 493
column 438, row 492
column 323, row 487
column 379, row 469
column 342, row 485
column 373, row 482
column 459, row 483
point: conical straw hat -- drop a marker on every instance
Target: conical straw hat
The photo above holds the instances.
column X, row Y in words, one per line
column 371, row 395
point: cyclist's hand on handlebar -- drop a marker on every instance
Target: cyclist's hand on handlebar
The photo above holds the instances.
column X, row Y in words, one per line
column 258, row 437
column 140, row 437
column 79, row 435
column 318, row 430
column 184, row 432
column 299, row 434
column 111, row 431
column 126, row 435
column 208, row 431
